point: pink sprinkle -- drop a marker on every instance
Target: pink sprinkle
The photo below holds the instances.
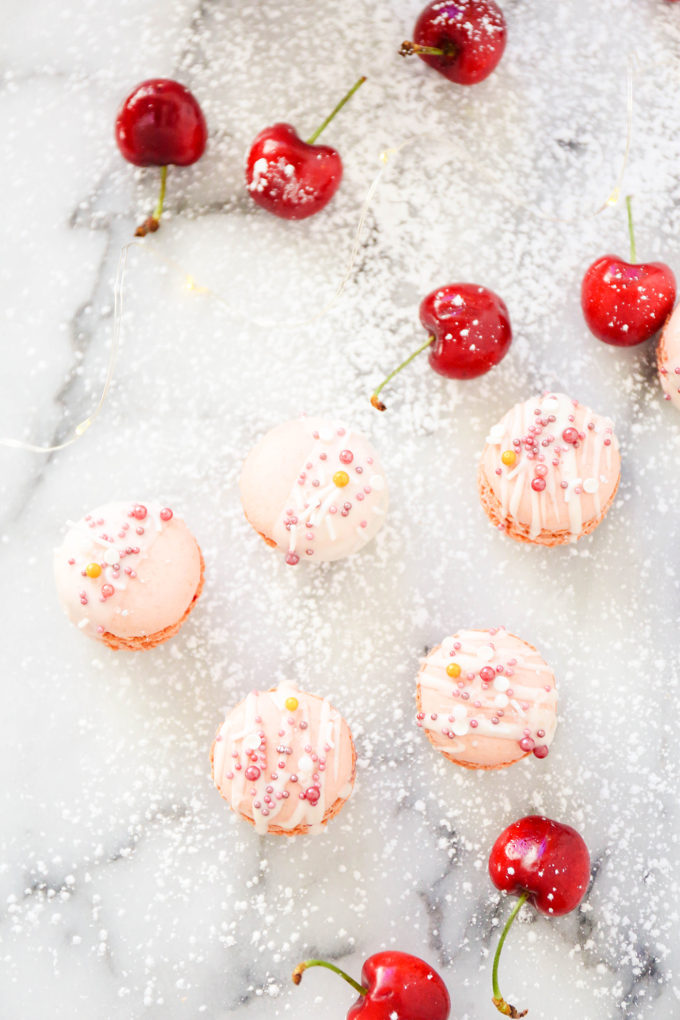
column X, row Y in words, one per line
column 292, row 558
column 252, row 773
column 527, row 744
column 363, row 524
column 166, row 514
column 474, row 724
column 541, row 751
column 71, row 561
column 346, row 456
column 107, row 590
column 313, row 794
column 139, row 512
column 538, row 484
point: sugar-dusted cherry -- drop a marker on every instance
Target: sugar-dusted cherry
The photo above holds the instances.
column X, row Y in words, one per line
column 543, row 862
column 159, row 124
column 468, row 332
column 625, row 303
column 462, row 39
column 392, row 985
column 290, row 177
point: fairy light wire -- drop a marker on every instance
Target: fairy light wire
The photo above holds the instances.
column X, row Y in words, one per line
column 385, row 157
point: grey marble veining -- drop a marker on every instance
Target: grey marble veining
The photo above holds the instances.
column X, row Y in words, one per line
column 127, row 888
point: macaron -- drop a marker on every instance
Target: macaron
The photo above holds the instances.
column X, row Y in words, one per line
column 668, row 358
column 129, row 574
column 284, row 760
column 549, row 471
column 486, row 699
column 314, row 489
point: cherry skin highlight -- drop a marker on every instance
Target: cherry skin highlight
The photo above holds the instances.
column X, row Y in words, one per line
column 161, row 123
column 462, row 39
column 393, row 984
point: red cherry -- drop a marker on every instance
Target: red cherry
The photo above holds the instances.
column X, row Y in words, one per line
column 160, row 123
column 392, row 985
column 625, row 303
column 544, row 862
column 462, row 39
column 469, row 332
column 292, row 178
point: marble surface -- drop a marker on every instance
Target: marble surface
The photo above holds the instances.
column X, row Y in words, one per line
column 128, row 889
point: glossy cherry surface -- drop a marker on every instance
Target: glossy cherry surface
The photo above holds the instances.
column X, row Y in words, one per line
column 546, row 859
column 394, row 986
column 626, row 303
column 161, row 123
column 400, row 985
column 290, row 177
column 470, row 36
column 471, row 329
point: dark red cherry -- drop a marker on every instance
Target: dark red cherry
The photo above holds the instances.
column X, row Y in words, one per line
column 462, row 39
column 392, row 985
column 468, row 329
column 292, row 178
column 625, row 303
column 543, row 862
column 159, row 124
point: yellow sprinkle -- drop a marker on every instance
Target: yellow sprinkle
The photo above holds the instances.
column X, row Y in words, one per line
column 341, row 479
column 93, row 570
column 453, row 669
column 292, row 704
column 508, row 457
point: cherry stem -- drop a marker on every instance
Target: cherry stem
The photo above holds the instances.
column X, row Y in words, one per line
column 152, row 223
column 331, row 115
column 631, row 231
column 407, row 49
column 499, row 1002
column 302, row 967
column 377, row 403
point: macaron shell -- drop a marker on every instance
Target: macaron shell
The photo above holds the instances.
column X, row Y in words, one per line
column 165, row 578
column 580, row 478
column 136, row 644
column 668, row 359
column 290, row 498
column 521, row 532
column 260, row 732
column 524, row 693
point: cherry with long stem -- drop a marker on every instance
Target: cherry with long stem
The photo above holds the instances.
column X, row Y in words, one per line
column 152, row 223
column 302, row 967
column 345, row 99
column 499, row 1002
